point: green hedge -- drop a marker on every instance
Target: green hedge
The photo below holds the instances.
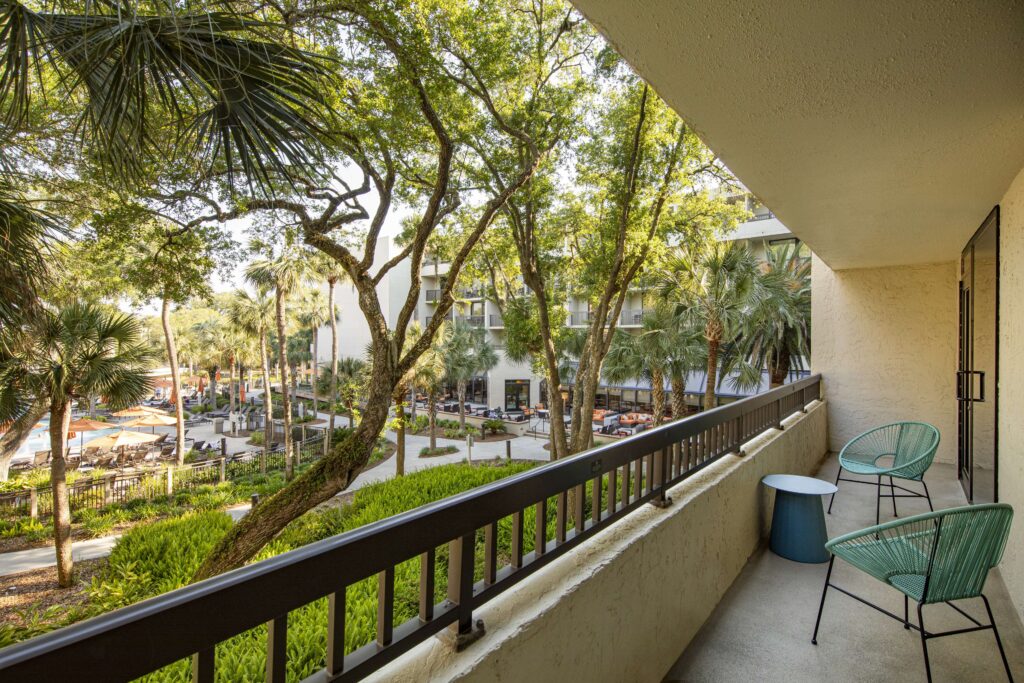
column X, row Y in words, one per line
column 163, row 556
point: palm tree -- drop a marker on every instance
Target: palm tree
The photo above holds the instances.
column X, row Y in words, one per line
column 67, row 356
column 467, row 353
column 332, row 273
column 348, row 380
column 254, row 314
column 214, row 341
column 776, row 333
column 428, row 373
column 284, row 275
column 713, row 286
column 315, row 313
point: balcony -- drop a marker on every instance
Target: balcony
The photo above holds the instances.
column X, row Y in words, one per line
column 495, row 321
column 472, row 320
column 432, row 296
column 631, row 318
column 473, row 293
column 580, row 318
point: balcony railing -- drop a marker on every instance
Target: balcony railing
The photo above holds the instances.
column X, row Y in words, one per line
column 191, row 621
column 579, row 318
column 473, row 320
column 761, row 217
column 631, row 317
column 496, row 320
column 433, row 296
column 473, row 293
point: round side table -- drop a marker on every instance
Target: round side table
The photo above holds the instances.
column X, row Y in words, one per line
column 798, row 522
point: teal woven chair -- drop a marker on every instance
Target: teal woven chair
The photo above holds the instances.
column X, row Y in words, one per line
column 901, row 450
column 935, row 557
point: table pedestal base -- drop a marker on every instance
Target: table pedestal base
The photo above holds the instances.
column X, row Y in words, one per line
column 798, row 528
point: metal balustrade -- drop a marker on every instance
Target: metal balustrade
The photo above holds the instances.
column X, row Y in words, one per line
column 585, row 495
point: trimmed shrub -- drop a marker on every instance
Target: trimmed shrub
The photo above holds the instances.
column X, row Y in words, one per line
column 428, row 452
column 494, row 426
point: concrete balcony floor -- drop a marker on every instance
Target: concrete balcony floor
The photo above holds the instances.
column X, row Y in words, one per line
column 761, row 631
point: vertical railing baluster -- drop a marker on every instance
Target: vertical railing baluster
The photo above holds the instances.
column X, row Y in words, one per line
column 277, row 649
column 613, row 489
column 595, row 499
column 385, row 606
column 581, row 500
column 638, row 477
column 491, row 553
column 624, row 485
column 540, row 528
column 203, row 665
column 561, row 505
column 336, row 632
column 427, row 570
column 460, row 579
column 517, row 539
column 658, row 478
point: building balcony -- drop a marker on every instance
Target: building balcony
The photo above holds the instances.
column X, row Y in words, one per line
column 473, row 293
column 631, row 318
column 671, row 569
column 432, row 296
column 580, row 318
column 495, row 321
column 472, row 320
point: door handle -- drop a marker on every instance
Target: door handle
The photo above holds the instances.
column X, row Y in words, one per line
column 961, row 384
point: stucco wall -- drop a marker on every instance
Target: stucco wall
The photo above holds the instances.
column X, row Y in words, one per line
column 624, row 605
column 1011, row 382
column 885, row 341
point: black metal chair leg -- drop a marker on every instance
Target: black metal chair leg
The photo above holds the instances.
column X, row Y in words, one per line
column 821, row 606
column 999, row 642
column 927, row 495
column 906, row 611
column 892, row 490
column 878, row 501
column 924, row 642
column 833, row 499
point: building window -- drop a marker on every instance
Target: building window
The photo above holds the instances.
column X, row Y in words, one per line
column 781, row 245
column 517, row 394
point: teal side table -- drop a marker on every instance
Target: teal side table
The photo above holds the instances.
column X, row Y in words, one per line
column 798, row 521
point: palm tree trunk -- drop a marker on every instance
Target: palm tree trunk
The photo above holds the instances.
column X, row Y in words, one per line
column 710, row 400
column 316, row 402
column 289, row 465
column 60, row 418
column 778, row 369
column 231, row 384
column 172, row 357
column 658, row 395
column 432, row 418
column 461, row 391
column 268, row 404
column 294, row 370
column 334, row 359
column 17, row 434
column 399, row 431
column 212, row 372
column 678, row 397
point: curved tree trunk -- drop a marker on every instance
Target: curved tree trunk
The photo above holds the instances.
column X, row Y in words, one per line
column 710, row 400
column 268, row 404
column 289, row 465
column 322, row 480
column 658, row 395
column 334, row 359
column 678, row 396
column 432, row 418
column 172, row 357
column 18, row 433
column 60, row 418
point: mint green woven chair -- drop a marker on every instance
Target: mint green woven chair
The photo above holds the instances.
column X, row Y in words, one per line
column 901, row 450
column 935, row 557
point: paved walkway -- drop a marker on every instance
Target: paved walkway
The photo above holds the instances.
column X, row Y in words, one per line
column 523, row 448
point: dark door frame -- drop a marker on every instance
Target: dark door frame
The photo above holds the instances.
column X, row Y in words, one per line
column 963, row 378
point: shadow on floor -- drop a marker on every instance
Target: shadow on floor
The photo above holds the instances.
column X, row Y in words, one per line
column 761, row 631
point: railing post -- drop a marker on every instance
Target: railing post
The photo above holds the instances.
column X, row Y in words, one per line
column 508, row 450
column 108, row 490
column 33, row 503
column 223, row 446
column 170, row 479
column 460, row 589
column 263, row 462
column 660, row 476
column 778, row 413
column 223, row 466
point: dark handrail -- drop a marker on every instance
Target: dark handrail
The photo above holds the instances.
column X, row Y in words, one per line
column 141, row 638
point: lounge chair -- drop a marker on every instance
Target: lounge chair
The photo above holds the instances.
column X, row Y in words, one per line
column 901, row 450
column 936, row 557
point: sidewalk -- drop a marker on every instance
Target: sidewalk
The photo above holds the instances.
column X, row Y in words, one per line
column 523, row 448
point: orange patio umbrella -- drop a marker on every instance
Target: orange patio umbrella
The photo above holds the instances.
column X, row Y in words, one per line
column 123, row 438
column 86, row 425
column 153, row 421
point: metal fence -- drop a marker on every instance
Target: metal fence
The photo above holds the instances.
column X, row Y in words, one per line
column 189, row 622
column 121, row 487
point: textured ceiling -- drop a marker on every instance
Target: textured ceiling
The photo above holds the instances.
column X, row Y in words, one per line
column 881, row 133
